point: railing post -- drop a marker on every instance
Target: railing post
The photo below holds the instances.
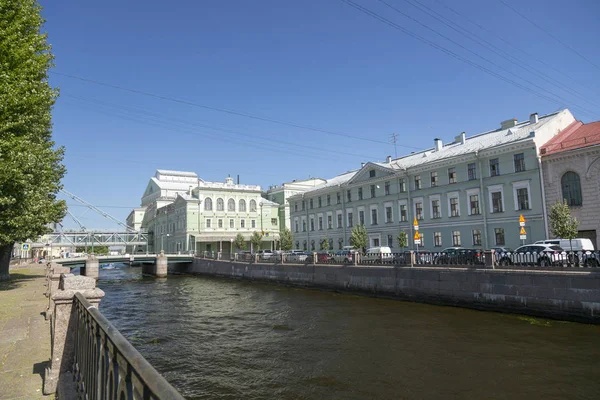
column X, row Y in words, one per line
column 54, row 274
column 413, row 258
column 63, row 326
column 490, row 258
column 314, row 258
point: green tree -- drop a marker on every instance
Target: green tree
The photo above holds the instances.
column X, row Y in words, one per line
column 324, row 244
column 359, row 237
column 402, row 239
column 562, row 223
column 256, row 240
column 98, row 250
column 30, row 166
column 239, row 242
column 286, row 239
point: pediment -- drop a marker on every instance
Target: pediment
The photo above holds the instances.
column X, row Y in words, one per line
column 365, row 174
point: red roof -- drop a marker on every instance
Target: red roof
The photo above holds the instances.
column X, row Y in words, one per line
column 574, row 136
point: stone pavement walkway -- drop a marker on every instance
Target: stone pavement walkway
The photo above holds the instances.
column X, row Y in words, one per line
column 24, row 334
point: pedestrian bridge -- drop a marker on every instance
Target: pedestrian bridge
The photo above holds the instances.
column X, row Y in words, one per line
column 126, row 259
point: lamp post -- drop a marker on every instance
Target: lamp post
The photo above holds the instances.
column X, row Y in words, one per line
column 231, row 246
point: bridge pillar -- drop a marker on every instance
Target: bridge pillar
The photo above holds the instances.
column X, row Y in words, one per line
column 92, row 267
column 161, row 265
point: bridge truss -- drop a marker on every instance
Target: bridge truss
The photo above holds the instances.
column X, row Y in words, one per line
column 88, row 239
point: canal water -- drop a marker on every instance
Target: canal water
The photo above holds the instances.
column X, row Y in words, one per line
column 227, row 339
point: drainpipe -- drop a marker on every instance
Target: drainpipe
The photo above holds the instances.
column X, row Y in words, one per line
column 544, row 208
column 344, row 222
column 307, row 223
column 482, row 202
column 409, row 209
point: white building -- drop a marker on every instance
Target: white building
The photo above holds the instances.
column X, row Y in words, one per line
column 280, row 194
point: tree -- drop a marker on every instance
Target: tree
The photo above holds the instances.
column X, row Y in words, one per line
column 286, row 239
column 256, row 240
column 402, row 239
column 30, row 166
column 324, row 244
column 562, row 223
column 239, row 242
column 98, row 250
column 359, row 237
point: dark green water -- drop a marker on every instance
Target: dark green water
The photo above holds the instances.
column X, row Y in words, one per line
column 227, row 339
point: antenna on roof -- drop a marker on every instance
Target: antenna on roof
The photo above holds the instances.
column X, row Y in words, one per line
column 393, row 138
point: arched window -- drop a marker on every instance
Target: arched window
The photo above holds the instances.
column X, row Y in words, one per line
column 231, row 205
column 208, row 204
column 312, row 245
column 220, row 204
column 252, row 205
column 571, row 188
column 242, row 205
column 297, row 244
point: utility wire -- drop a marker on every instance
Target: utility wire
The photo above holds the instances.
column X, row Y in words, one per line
column 532, row 22
column 223, row 110
column 448, row 52
column 558, row 98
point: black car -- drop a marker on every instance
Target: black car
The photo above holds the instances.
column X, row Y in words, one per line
column 459, row 256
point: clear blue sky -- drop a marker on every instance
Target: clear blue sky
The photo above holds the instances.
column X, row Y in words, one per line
column 317, row 63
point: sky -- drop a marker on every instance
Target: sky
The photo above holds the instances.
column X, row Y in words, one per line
column 276, row 90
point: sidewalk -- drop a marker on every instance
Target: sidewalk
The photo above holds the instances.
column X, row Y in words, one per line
column 24, row 334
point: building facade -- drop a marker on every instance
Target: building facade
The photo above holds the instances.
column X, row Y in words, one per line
column 183, row 213
column 280, row 194
column 571, row 165
column 468, row 193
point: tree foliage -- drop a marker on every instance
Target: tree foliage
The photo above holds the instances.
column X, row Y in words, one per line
column 286, row 239
column 359, row 237
column 256, row 240
column 324, row 244
column 402, row 239
column 562, row 223
column 239, row 242
column 98, row 250
column 30, row 166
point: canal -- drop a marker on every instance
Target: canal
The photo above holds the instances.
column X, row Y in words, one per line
column 227, row 339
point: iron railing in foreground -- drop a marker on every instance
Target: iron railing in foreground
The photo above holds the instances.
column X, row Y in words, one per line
column 107, row 366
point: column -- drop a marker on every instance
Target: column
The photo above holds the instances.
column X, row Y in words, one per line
column 92, row 267
column 161, row 266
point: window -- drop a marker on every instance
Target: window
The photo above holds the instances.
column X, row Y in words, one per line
column 339, row 198
column 242, row 223
column 311, row 204
column 454, row 211
column 497, row 202
column 328, row 199
column 253, row 223
column 274, row 221
column 476, row 237
column 220, row 223
column 330, row 222
column 231, row 223
column 435, row 209
column 208, row 204
column 372, row 173
column 388, row 214
column 350, row 222
column 372, row 191
column 374, row 216
column 402, row 185
column 452, row 175
column 523, row 199
column 330, row 244
column 387, row 188
column 242, row 206
column 208, row 222
column 474, row 204
column 312, row 245
column 303, row 225
column 230, row 205
column 360, row 193
column 472, row 171
column 296, row 226
column 499, row 233
column 390, row 241
column 319, row 201
column 361, row 217
column 419, row 210
column 455, row 238
column 339, row 220
column 494, row 167
column 220, row 204
column 295, row 206
column 417, row 182
column 304, row 246
column 403, row 214
column 312, row 224
column 437, row 239
column 434, row 179
column 320, row 223
column 519, row 162
column 297, row 244
column 571, row 189
column 340, row 243
column 303, row 205
column 349, row 195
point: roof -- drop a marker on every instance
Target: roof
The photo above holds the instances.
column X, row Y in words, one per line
column 170, row 185
column 576, row 136
column 176, row 173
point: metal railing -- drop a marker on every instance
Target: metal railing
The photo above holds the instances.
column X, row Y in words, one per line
column 564, row 259
column 107, row 366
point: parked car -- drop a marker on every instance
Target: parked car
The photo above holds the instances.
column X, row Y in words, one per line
column 578, row 244
column 535, row 254
column 296, row 256
column 264, row 254
column 324, row 257
column 344, row 256
column 459, row 255
column 378, row 254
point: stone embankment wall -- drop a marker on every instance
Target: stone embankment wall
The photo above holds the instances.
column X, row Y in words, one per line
column 570, row 295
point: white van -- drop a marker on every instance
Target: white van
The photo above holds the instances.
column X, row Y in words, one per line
column 578, row 244
column 378, row 254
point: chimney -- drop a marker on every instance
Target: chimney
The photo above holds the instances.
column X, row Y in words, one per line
column 534, row 118
column 238, row 179
column 509, row 123
column 362, row 164
column 463, row 138
column 438, row 144
column 388, row 159
column 229, row 180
